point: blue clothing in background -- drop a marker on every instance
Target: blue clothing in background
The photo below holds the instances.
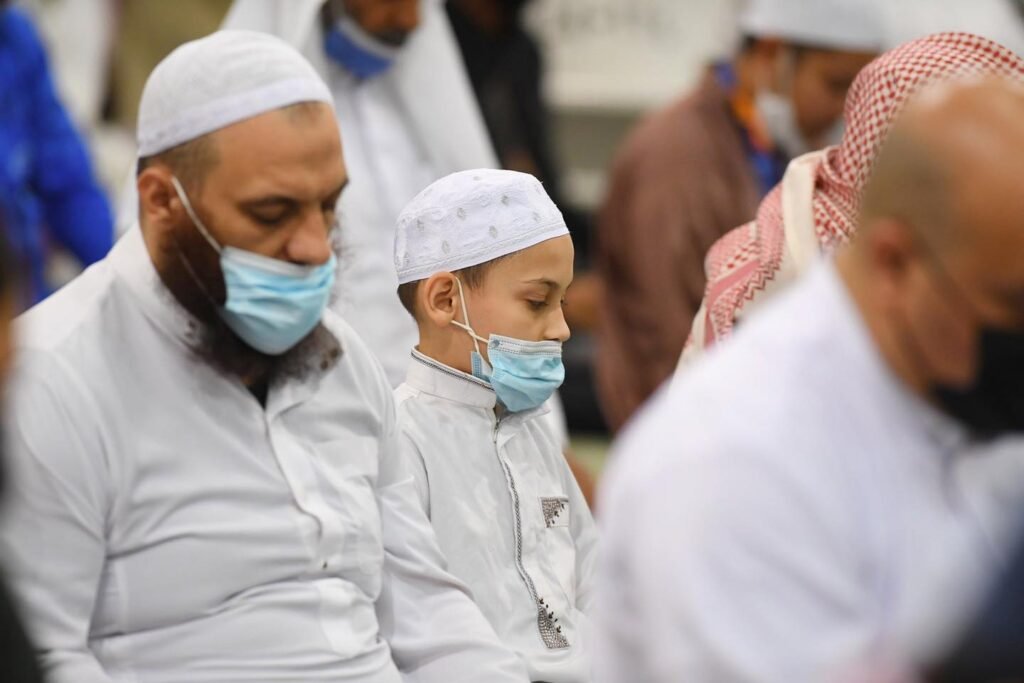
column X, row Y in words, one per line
column 47, row 189
column 769, row 165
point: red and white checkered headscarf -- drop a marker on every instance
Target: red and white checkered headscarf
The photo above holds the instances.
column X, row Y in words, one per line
column 744, row 262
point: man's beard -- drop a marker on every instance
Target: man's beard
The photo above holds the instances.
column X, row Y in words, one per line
column 190, row 269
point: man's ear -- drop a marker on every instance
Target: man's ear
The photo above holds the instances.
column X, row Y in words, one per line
column 891, row 246
column 439, row 299
column 159, row 206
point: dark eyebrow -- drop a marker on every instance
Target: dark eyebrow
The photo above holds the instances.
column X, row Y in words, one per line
column 274, row 201
column 284, row 201
column 544, row 282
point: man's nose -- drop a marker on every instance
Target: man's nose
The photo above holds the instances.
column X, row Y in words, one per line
column 310, row 244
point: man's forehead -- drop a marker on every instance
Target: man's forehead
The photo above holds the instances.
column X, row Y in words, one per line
column 272, row 153
column 304, row 117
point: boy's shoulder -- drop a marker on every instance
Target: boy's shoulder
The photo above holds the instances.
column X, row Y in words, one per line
column 422, row 410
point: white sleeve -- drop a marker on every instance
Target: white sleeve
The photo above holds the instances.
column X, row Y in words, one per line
column 52, row 536
column 725, row 570
column 412, row 459
column 584, row 534
column 436, row 632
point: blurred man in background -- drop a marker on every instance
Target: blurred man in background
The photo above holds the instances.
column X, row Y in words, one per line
column 48, row 195
column 504, row 64
column 698, row 168
column 837, row 467
column 814, row 208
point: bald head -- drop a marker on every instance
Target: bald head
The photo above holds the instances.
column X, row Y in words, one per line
column 937, row 258
column 951, row 167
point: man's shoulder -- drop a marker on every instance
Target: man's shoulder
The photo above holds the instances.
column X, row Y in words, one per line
column 356, row 356
column 754, row 388
column 70, row 316
column 745, row 415
column 352, row 345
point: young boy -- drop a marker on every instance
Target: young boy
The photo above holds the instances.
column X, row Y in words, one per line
column 484, row 260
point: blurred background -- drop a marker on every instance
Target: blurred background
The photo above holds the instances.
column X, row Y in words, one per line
column 579, row 75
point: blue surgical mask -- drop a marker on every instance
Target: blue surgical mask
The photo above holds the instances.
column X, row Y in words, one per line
column 271, row 304
column 360, row 53
column 522, row 373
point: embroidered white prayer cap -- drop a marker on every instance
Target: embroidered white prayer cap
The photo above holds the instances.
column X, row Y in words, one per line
column 471, row 217
column 856, row 25
column 221, row 79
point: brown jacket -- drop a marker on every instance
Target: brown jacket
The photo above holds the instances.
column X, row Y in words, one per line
column 681, row 180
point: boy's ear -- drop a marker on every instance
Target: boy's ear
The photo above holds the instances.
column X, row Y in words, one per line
column 439, row 299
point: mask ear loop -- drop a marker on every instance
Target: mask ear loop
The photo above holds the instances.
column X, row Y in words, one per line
column 180, row 191
column 465, row 316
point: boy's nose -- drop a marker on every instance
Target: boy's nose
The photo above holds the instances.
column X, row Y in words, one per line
column 560, row 329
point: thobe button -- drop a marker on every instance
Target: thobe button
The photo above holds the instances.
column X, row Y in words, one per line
column 323, row 565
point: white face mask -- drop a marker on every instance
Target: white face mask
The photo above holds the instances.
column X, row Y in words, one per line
column 779, row 116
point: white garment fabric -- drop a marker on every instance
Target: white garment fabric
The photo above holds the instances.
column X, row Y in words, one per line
column 787, row 509
column 836, row 24
column 400, row 131
column 471, row 217
column 996, row 20
column 79, row 37
column 221, row 79
column 508, row 515
column 162, row 526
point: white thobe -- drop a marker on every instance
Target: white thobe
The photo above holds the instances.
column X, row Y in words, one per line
column 508, row 515
column 164, row 526
column 788, row 509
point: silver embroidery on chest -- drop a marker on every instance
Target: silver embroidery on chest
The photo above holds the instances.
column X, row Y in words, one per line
column 547, row 622
column 550, row 631
column 553, row 509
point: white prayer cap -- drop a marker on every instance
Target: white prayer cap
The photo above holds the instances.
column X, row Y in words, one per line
column 471, row 217
column 218, row 80
column 855, row 25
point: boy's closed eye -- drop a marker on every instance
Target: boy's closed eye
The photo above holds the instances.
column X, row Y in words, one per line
column 537, row 305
